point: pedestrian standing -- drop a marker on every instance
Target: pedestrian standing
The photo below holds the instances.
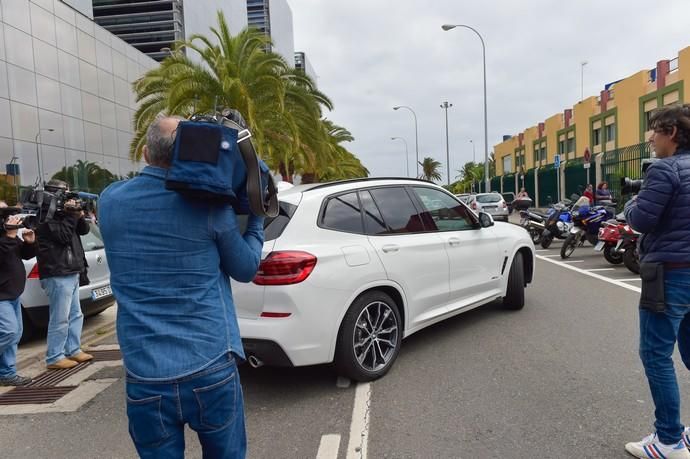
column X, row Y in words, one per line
column 176, row 322
column 661, row 213
column 12, row 282
column 603, row 194
column 589, row 194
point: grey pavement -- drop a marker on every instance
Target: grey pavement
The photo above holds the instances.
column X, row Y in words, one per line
column 559, row 379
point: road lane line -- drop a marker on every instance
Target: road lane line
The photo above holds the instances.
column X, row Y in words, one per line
column 601, row 269
column 359, row 428
column 573, row 261
column 637, row 279
column 329, row 446
column 549, row 256
column 594, row 275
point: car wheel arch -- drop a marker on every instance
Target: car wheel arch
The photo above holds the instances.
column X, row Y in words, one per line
column 392, row 289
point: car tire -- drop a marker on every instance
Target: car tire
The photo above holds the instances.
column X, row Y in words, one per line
column 369, row 361
column 613, row 257
column 515, row 293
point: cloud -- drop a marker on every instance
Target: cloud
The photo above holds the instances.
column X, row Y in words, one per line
column 370, row 55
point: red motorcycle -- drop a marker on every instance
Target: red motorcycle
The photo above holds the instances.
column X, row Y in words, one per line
column 628, row 244
column 610, row 241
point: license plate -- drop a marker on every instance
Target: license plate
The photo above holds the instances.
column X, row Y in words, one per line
column 101, row 292
column 599, row 246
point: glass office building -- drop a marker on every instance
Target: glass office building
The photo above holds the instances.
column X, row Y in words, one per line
column 65, row 93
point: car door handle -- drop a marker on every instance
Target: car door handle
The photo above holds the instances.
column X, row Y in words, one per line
column 454, row 242
column 390, row 248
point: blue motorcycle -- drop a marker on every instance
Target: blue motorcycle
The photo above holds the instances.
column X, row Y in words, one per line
column 586, row 223
column 557, row 225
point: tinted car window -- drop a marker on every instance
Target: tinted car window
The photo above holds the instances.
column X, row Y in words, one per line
column 447, row 213
column 397, row 210
column 486, row 198
column 273, row 226
column 343, row 213
column 373, row 221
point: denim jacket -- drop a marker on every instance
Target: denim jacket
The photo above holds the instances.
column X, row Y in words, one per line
column 170, row 260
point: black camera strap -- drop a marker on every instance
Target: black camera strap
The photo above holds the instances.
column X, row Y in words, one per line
column 268, row 207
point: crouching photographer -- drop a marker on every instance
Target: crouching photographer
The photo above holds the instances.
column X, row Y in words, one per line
column 60, row 262
column 12, row 282
column 173, row 241
column 661, row 213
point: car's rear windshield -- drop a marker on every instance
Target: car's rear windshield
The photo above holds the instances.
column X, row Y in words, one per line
column 485, row 198
column 93, row 239
column 273, row 226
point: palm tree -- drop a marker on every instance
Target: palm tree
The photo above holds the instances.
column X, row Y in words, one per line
column 280, row 104
column 86, row 176
column 431, row 169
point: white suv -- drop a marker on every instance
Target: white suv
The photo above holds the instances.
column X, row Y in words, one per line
column 350, row 268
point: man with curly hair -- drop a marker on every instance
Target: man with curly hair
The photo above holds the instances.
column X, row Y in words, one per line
column 661, row 212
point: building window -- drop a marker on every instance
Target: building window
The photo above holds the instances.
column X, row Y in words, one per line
column 507, row 164
column 561, row 147
column 597, row 136
column 570, row 148
column 611, row 132
column 542, row 153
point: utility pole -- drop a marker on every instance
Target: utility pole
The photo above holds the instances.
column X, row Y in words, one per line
column 446, row 106
column 582, row 80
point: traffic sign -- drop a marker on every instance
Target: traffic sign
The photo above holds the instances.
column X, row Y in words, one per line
column 588, row 155
column 586, row 165
column 557, row 161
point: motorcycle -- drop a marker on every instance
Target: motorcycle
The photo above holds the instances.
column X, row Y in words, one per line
column 610, row 241
column 631, row 254
column 533, row 222
column 557, row 225
column 586, row 224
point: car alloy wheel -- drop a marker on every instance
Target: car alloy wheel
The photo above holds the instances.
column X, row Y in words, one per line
column 375, row 339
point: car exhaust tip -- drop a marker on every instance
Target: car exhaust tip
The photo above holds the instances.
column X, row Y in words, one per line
column 255, row 362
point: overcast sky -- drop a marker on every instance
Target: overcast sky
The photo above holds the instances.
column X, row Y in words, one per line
column 371, row 55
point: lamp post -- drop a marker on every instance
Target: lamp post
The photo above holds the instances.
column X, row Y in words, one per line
column 38, row 156
column 474, row 160
column 416, row 135
column 447, row 27
column 445, row 105
column 13, row 160
column 582, row 80
column 407, row 156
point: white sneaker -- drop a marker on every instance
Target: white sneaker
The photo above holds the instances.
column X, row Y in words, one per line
column 686, row 437
column 651, row 448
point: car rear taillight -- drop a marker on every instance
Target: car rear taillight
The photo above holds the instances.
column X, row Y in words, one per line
column 285, row 268
column 33, row 274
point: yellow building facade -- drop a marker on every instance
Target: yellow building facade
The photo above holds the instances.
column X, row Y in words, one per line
column 618, row 117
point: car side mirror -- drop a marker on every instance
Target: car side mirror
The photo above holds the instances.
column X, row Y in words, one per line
column 485, row 220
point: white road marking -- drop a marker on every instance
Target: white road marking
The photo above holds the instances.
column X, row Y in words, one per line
column 542, row 250
column 637, row 279
column 549, row 256
column 359, row 428
column 329, row 446
column 601, row 269
column 573, row 261
column 594, row 275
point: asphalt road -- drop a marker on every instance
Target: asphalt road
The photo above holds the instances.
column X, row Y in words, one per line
column 559, row 379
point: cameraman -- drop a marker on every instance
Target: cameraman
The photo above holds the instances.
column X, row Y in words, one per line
column 170, row 260
column 12, row 281
column 661, row 212
column 60, row 260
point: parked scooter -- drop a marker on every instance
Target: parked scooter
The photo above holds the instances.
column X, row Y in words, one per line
column 533, row 222
column 586, row 223
column 557, row 225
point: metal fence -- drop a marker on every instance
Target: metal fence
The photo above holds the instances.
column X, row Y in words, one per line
column 509, row 183
column 575, row 177
column 529, row 184
column 623, row 162
column 548, row 190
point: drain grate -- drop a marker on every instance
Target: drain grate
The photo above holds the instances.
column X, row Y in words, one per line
column 34, row 395
column 105, row 355
column 53, row 377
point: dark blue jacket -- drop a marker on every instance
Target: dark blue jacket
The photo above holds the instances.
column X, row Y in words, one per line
column 662, row 211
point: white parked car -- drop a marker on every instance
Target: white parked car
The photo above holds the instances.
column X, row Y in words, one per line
column 350, row 268
column 491, row 203
column 94, row 298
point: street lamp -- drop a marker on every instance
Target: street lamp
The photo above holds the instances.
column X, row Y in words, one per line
column 416, row 135
column 447, row 27
column 445, row 105
column 474, row 160
column 38, row 156
column 582, row 80
column 407, row 156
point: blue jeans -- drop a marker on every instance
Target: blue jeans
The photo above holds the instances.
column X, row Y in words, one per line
column 66, row 318
column 658, row 335
column 210, row 401
column 10, row 333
